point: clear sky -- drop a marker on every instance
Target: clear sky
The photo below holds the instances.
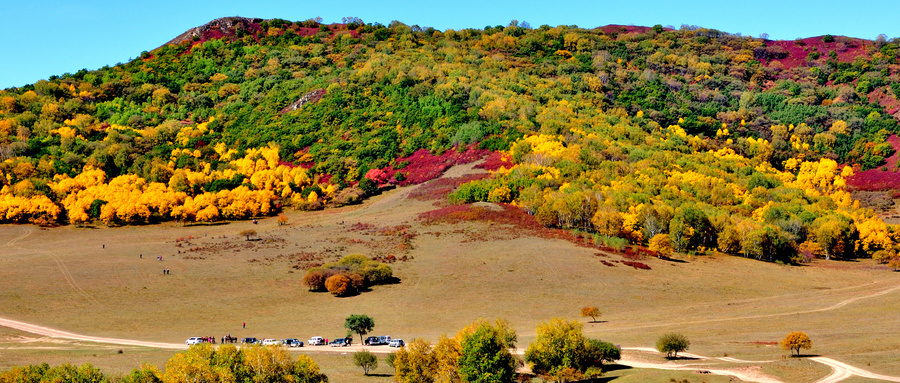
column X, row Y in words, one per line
column 43, row 37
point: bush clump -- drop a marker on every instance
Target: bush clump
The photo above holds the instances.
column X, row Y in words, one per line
column 350, row 275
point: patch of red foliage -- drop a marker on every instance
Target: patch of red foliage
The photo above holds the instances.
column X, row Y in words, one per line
column 885, row 97
column 615, row 28
column 495, row 161
column 440, row 188
column 507, row 215
column 877, row 179
column 423, row 166
column 846, row 48
column 636, row 265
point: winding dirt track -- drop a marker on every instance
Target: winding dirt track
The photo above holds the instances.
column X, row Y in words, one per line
column 876, row 292
column 748, row 374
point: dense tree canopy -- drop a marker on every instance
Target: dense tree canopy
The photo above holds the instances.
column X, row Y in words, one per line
column 717, row 141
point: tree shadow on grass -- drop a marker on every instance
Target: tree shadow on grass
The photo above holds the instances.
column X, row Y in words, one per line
column 805, row 356
column 598, row 321
column 372, row 374
column 615, row 367
column 598, row 380
column 216, row 223
column 681, row 358
column 665, row 258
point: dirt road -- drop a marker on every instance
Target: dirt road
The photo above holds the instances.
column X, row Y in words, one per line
column 701, row 363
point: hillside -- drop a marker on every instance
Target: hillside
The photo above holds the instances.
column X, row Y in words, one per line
column 690, row 140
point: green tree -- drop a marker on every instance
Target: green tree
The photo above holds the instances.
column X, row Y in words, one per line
column 485, row 355
column 672, row 344
column 599, row 352
column 561, row 345
column 795, row 341
column 360, row 324
column 365, row 359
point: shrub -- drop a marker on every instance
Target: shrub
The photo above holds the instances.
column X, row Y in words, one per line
column 660, row 243
column 357, row 271
column 339, row 285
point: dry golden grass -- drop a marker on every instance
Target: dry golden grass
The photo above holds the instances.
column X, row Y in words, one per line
column 64, row 278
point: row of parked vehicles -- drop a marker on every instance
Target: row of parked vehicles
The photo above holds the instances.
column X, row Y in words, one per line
column 294, row 342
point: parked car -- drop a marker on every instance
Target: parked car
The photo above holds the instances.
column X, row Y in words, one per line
column 385, row 339
column 270, row 342
column 340, row 342
column 292, row 342
column 372, row 341
column 396, row 343
column 316, row 341
column 250, row 340
column 193, row 340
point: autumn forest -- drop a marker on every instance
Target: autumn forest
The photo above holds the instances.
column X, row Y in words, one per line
column 689, row 140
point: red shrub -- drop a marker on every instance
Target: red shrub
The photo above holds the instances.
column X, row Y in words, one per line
column 494, row 161
column 877, row 179
column 636, row 265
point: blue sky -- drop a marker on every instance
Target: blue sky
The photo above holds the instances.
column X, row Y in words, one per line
column 44, row 38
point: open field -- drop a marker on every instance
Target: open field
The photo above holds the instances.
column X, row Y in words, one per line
column 93, row 281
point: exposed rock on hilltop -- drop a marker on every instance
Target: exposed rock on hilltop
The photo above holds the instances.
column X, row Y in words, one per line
column 221, row 26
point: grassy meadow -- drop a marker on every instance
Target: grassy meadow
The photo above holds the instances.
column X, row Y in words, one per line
column 108, row 282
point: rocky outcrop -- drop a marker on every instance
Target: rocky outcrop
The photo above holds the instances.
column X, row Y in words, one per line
column 311, row 97
column 224, row 26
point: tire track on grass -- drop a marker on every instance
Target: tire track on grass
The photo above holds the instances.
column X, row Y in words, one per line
column 835, row 306
column 67, row 275
column 13, row 241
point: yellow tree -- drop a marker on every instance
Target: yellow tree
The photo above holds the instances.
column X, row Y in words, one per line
column 446, row 354
column 795, row 341
column 415, row 363
column 266, row 364
column 590, row 311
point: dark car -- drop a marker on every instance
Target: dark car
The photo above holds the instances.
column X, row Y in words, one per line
column 292, row 342
column 339, row 342
column 372, row 341
column 250, row 341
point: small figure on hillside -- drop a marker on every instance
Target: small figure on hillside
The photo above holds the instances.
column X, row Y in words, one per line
column 141, row 256
column 104, row 245
column 245, row 324
column 255, row 222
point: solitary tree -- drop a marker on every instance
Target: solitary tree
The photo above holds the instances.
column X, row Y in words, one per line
column 282, row 219
column 360, row 324
column 795, row 341
column 248, row 233
column 672, row 343
column 591, row 311
column 366, row 360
